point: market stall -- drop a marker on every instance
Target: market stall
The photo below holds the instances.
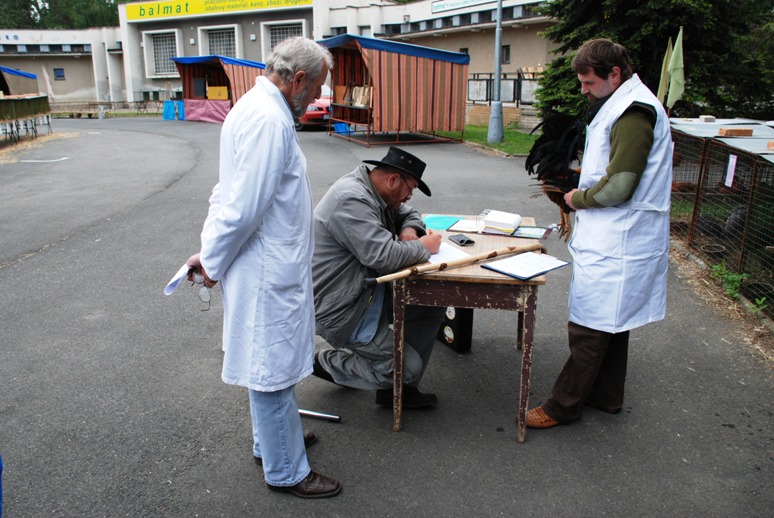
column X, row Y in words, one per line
column 391, row 92
column 212, row 84
column 21, row 105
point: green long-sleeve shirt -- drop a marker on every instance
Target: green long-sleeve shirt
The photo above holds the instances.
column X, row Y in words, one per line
column 630, row 141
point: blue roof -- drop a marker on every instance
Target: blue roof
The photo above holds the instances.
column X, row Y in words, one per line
column 15, row 72
column 397, row 47
column 224, row 59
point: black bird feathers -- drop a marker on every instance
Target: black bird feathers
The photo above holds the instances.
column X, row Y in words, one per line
column 550, row 158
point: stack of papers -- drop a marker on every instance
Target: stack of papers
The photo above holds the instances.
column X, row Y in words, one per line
column 525, row 266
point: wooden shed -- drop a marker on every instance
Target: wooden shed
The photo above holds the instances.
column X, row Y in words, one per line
column 21, row 105
column 17, row 82
column 212, row 84
column 388, row 87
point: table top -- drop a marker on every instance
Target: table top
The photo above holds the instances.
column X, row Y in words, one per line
column 485, row 243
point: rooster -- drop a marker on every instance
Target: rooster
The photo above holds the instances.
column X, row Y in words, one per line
column 550, row 159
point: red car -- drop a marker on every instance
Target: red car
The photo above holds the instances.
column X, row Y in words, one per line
column 318, row 112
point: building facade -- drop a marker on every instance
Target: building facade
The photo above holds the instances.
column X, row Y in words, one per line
column 153, row 32
column 132, row 62
column 457, row 25
column 69, row 65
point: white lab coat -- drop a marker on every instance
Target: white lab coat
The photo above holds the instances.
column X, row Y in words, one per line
column 258, row 242
column 621, row 253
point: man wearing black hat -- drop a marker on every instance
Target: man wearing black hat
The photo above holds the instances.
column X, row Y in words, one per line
column 363, row 228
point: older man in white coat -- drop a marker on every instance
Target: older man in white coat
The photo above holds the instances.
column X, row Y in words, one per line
column 258, row 242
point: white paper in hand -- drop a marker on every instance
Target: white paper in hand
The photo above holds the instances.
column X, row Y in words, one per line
column 181, row 274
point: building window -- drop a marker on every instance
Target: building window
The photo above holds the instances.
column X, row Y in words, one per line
column 506, row 55
column 222, row 42
column 464, row 50
column 274, row 33
column 164, row 48
column 59, row 74
column 279, row 33
column 391, row 30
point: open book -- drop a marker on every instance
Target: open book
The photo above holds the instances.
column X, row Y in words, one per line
column 489, row 222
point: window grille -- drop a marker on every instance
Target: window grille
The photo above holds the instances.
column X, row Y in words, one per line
column 278, row 33
column 222, row 42
column 164, row 48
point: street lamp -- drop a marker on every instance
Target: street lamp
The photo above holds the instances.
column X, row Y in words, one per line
column 495, row 135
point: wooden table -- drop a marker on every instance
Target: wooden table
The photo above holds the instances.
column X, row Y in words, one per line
column 471, row 286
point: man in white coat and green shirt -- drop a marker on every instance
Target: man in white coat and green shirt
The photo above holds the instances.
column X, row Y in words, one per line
column 258, row 242
column 620, row 242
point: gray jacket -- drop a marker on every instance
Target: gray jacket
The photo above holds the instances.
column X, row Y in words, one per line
column 356, row 237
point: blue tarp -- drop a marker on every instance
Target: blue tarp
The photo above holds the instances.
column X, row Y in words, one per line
column 396, row 47
column 205, row 59
column 15, row 72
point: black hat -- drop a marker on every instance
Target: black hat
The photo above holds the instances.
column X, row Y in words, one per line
column 406, row 163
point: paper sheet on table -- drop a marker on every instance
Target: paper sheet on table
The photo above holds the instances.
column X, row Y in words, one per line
column 467, row 225
column 181, row 274
column 447, row 253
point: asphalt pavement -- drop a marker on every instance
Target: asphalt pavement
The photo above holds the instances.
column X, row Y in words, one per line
column 111, row 402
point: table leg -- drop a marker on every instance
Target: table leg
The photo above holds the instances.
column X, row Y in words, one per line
column 530, row 306
column 399, row 313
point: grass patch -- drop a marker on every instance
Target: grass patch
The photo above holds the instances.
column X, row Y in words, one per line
column 515, row 143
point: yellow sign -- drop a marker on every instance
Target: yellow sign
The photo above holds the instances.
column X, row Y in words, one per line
column 178, row 8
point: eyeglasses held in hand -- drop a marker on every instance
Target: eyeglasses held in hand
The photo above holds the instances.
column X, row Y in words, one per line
column 204, row 291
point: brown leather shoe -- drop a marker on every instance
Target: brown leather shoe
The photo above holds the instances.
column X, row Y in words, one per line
column 309, row 439
column 537, row 418
column 313, row 486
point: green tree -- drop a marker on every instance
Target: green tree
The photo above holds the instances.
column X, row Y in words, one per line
column 17, row 14
column 727, row 48
column 78, row 14
column 58, row 14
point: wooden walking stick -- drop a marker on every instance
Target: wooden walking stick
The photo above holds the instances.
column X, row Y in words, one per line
column 437, row 267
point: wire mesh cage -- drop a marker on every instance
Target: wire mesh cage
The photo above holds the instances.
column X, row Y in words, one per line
column 723, row 209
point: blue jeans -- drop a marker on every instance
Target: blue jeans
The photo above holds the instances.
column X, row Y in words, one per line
column 278, row 437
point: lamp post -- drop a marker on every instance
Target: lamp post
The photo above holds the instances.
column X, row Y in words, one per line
column 495, row 135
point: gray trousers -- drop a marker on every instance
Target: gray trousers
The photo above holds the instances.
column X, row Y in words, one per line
column 370, row 366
